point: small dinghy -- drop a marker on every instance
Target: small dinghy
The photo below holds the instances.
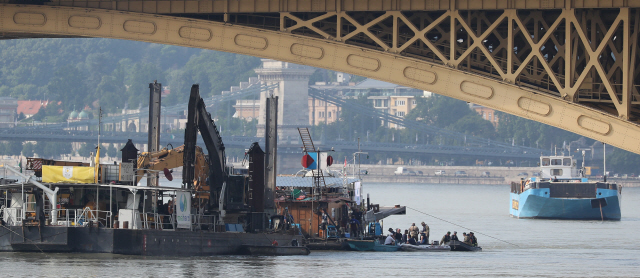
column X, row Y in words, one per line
column 424, row 248
column 461, row 246
column 256, row 250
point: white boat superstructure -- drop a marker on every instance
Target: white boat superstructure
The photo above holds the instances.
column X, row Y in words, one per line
column 558, row 167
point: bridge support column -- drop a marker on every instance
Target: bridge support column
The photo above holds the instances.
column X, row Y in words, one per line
column 293, row 95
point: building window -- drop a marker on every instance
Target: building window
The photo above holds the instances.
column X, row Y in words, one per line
column 400, row 113
column 329, row 114
column 484, row 116
column 400, row 102
column 490, row 119
column 414, row 102
column 378, row 103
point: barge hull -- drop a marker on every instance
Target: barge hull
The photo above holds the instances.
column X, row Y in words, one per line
column 132, row 242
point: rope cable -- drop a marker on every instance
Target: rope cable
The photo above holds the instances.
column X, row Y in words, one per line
column 463, row 227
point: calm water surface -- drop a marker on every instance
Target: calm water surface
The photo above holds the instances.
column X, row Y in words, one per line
column 545, row 248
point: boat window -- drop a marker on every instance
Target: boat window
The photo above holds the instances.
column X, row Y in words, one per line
column 545, row 162
column 556, row 162
column 566, row 162
column 556, row 172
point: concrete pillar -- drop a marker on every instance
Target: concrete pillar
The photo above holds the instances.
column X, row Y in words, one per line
column 292, row 93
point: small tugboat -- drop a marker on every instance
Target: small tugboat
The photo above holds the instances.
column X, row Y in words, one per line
column 562, row 192
column 456, row 245
column 327, row 206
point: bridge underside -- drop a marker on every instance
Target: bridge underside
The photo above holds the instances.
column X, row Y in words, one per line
column 567, row 66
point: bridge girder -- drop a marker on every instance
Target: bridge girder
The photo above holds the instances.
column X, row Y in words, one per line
column 516, row 61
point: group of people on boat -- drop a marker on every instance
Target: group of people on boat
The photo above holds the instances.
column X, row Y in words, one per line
column 414, row 235
column 469, row 238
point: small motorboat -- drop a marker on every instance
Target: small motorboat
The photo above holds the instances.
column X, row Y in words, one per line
column 371, row 245
column 424, row 248
column 457, row 245
column 268, row 250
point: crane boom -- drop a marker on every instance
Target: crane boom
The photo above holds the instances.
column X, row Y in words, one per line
column 198, row 119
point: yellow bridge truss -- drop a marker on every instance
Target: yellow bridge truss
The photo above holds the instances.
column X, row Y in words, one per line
column 569, row 64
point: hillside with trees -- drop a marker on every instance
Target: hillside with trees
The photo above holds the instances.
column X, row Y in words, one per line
column 113, row 74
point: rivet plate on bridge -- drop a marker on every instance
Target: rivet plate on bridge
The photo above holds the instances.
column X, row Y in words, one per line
column 534, row 106
column 365, row 63
column 594, row 125
column 84, row 22
column 250, row 41
column 36, row 19
column 307, row 51
column 140, row 27
column 476, row 90
column 195, row 33
column 419, row 75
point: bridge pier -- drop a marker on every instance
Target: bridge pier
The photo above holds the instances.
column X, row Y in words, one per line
column 293, row 94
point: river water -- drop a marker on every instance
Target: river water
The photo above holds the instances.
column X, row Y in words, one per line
column 523, row 248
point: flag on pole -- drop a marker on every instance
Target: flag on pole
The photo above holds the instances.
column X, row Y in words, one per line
column 20, row 164
column 97, row 165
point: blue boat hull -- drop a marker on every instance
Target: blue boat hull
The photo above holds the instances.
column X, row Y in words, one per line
column 370, row 245
column 536, row 203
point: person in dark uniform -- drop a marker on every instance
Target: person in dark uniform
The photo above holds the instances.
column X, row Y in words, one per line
column 398, row 235
column 446, row 238
column 405, row 236
column 455, row 236
column 474, row 239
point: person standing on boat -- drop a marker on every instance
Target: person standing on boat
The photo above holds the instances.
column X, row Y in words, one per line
column 446, row 238
column 355, row 226
column 414, row 230
column 425, row 230
column 405, row 236
column 324, row 220
column 455, row 236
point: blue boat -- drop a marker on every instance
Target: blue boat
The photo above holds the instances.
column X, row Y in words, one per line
column 371, row 245
column 560, row 192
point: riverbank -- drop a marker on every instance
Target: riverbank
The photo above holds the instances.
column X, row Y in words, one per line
column 434, row 179
column 426, row 174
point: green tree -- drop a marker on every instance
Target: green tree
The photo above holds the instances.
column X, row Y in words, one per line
column 138, row 83
column 13, row 148
column 112, row 151
column 67, row 85
column 28, row 149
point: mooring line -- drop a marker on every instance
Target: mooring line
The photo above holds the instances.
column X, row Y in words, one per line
column 34, row 244
column 463, row 227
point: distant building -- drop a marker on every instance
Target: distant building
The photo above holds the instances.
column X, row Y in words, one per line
column 322, row 112
column 247, row 109
column 8, row 112
column 486, row 113
column 30, row 107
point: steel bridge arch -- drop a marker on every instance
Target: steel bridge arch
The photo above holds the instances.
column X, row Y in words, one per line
column 328, row 53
